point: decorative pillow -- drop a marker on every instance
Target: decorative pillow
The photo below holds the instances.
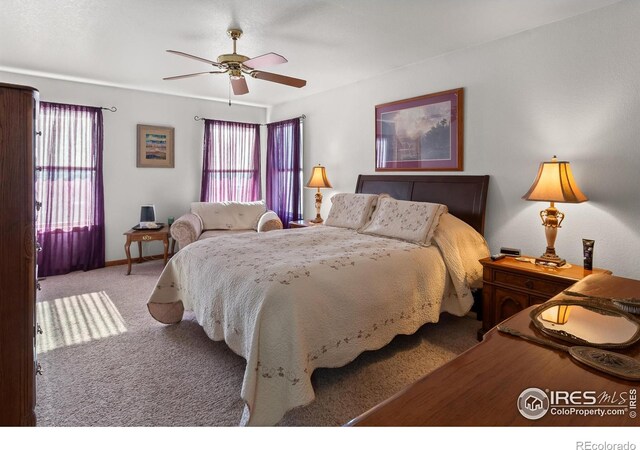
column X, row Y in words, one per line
column 409, row 221
column 269, row 221
column 351, row 210
column 229, row 215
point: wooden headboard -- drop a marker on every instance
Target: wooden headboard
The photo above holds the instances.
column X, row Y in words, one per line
column 465, row 195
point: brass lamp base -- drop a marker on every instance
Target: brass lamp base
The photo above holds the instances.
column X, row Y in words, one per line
column 318, row 218
column 551, row 219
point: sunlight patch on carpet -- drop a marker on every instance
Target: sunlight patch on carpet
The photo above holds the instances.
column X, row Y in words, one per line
column 76, row 320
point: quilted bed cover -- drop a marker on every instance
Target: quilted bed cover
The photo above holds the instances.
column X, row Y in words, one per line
column 290, row 301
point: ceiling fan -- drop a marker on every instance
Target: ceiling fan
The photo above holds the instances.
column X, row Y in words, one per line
column 237, row 66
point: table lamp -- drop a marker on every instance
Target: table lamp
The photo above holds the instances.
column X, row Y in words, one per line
column 318, row 180
column 554, row 183
column 558, row 315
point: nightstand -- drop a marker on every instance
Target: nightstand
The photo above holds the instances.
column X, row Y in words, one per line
column 140, row 236
column 302, row 224
column 509, row 286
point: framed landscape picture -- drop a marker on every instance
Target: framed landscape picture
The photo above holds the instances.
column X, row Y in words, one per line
column 421, row 133
column 155, row 146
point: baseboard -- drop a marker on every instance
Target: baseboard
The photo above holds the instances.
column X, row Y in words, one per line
column 122, row 262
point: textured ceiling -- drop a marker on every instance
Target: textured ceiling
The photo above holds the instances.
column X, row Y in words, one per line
column 327, row 42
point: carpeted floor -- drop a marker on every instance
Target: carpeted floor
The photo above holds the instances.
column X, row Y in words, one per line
column 106, row 362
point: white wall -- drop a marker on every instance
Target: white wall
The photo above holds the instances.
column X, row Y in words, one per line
column 126, row 187
column 571, row 88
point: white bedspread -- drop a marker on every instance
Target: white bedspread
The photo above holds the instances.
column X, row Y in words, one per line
column 290, row 301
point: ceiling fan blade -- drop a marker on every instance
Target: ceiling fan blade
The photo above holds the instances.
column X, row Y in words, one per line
column 289, row 81
column 177, row 77
column 175, row 52
column 239, row 86
column 266, row 60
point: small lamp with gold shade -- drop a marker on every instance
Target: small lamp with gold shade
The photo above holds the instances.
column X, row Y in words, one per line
column 554, row 183
column 318, row 180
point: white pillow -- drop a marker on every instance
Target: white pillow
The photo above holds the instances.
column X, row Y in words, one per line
column 408, row 221
column 462, row 247
column 229, row 215
column 351, row 210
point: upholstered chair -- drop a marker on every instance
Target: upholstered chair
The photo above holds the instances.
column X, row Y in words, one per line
column 207, row 220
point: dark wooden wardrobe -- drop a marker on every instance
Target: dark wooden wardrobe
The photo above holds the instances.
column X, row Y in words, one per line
column 18, row 113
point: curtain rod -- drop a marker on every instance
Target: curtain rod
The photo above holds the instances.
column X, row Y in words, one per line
column 112, row 109
column 302, row 117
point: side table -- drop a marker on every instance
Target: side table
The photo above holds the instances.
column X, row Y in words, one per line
column 509, row 286
column 141, row 236
column 302, row 224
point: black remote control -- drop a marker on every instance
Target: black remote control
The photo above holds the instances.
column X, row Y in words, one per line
column 497, row 256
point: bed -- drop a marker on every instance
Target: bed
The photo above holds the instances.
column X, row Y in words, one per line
column 291, row 301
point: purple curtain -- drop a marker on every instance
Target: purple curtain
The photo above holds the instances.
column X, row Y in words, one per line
column 70, row 223
column 284, row 170
column 231, row 162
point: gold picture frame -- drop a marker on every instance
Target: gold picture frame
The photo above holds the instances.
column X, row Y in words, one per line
column 155, row 146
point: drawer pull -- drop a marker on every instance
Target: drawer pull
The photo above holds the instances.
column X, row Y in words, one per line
column 528, row 284
column 146, row 237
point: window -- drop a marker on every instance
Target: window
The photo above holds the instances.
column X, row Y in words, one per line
column 284, row 169
column 231, row 162
column 70, row 224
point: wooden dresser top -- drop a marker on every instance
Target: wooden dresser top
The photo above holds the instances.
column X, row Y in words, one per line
column 481, row 386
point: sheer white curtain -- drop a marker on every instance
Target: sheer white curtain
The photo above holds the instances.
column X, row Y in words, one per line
column 231, row 162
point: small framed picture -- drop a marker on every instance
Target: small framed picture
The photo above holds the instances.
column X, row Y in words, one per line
column 155, row 146
column 421, row 133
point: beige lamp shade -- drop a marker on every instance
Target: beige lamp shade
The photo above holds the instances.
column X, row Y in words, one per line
column 555, row 183
column 318, row 178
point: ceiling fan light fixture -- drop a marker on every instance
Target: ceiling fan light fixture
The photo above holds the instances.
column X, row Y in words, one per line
column 236, row 65
column 235, row 73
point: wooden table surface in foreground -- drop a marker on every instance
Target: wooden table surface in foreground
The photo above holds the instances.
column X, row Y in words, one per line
column 481, row 387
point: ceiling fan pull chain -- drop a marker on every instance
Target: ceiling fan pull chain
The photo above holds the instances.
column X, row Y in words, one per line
column 230, row 90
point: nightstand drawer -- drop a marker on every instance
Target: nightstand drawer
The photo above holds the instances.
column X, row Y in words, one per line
column 530, row 283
